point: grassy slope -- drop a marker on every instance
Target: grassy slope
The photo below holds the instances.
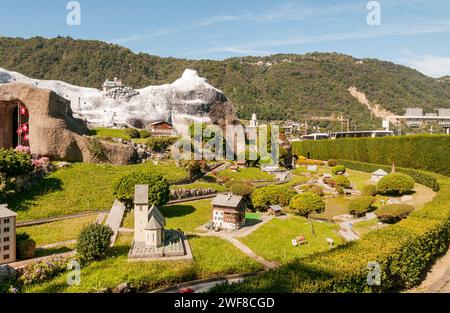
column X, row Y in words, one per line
column 57, row 231
column 81, row 187
column 250, row 174
column 273, row 240
column 209, row 261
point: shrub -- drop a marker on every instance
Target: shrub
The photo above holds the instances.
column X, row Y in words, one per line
column 369, row 190
column 393, row 213
column 97, row 149
column 160, row 144
column 332, row 162
column 360, row 206
column 123, row 188
column 330, row 182
column 41, row 271
column 241, row 189
column 305, row 161
column 338, row 169
column 263, row 197
column 93, row 242
column 144, row 133
column 132, row 133
column 340, row 190
column 342, row 181
column 192, row 167
column 25, row 246
column 395, row 184
column 314, row 189
column 14, row 163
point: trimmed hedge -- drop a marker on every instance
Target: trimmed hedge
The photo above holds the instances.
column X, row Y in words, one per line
column 403, row 250
column 425, row 152
column 360, row 206
column 395, row 184
column 342, row 181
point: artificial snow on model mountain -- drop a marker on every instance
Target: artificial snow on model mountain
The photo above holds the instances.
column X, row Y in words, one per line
column 189, row 98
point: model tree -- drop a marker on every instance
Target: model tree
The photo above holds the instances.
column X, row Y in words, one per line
column 307, row 203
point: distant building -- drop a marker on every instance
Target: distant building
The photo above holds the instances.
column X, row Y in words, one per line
column 291, row 127
column 228, row 211
column 161, row 128
column 378, row 174
column 7, row 235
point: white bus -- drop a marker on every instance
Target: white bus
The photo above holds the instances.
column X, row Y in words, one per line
column 362, row 134
column 315, row 136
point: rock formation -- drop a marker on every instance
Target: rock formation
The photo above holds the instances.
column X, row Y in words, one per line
column 54, row 132
column 190, row 98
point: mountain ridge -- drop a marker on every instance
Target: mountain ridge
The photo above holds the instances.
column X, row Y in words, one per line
column 276, row 87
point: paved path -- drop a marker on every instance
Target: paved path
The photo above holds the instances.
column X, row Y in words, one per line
column 115, row 219
column 438, row 278
column 20, row 264
column 56, row 219
column 346, row 228
column 57, row 244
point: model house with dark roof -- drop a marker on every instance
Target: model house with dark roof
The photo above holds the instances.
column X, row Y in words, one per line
column 228, row 211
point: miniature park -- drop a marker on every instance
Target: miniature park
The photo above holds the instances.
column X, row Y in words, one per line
column 156, row 222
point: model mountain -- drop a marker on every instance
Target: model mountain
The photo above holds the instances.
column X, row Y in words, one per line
column 189, row 98
column 276, row 87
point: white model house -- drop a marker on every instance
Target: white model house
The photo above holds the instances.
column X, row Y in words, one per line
column 7, row 235
column 228, row 211
column 149, row 223
column 378, row 174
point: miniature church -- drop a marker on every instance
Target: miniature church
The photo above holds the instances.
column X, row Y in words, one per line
column 148, row 223
column 151, row 239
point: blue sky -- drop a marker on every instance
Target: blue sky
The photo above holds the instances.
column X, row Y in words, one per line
column 412, row 32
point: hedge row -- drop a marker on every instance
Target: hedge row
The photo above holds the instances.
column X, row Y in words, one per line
column 425, row 152
column 404, row 252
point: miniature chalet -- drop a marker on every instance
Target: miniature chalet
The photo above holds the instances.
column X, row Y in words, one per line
column 161, row 128
column 7, row 235
column 274, row 210
column 228, row 211
column 378, row 174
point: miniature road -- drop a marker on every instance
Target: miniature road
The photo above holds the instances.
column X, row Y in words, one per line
column 346, row 228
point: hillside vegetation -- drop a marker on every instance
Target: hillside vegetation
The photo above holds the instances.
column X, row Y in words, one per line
column 276, row 86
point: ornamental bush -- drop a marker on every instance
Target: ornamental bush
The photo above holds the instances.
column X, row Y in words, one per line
column 330, row 182
column 263, row 197
column 395, row 184
column 160, row 144
column 393, row 213
column 241, row 189
column 158, row 187
column 144, row 133
column 93, row 242
column 41, row 271
column 314, row 189
column 360, row 206
column 332, row 162
column 342, row 181
column 369, row 190
column 338, row 169
column 307, row 203
column 13, row 163
column 132, row 133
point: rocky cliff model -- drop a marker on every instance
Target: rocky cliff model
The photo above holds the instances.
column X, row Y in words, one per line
column 53, row 131
column 190, row 98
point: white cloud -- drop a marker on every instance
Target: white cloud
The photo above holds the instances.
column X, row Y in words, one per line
column 428, row 64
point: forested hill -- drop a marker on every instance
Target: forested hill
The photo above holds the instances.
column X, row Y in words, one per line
column 276, row 87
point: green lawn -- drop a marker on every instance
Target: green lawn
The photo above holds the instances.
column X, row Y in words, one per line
column 185, row 216
column 59, row 231
column 272, row 241
column 364, row 227
column 249, row 174
column 337, row 205
column 209, row 261
column 79, row 188
column 109, row 133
